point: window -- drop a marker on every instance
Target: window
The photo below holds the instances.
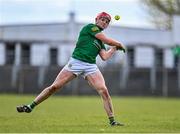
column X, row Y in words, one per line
column 131, row 57
column 53, row 56
column 10, row 53
column 159, row 57
column 25, row 54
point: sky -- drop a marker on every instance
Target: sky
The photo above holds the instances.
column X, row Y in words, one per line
column 54, row 11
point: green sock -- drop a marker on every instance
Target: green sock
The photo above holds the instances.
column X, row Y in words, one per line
column 111, row 119
column 33, row 104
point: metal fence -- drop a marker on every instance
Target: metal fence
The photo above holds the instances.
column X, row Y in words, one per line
column 31, row 80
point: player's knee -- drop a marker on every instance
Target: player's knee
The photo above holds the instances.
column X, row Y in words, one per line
column 54, row 88
column 104, row 93
column 102, row 88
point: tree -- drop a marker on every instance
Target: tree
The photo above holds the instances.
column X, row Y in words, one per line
column 161, row 11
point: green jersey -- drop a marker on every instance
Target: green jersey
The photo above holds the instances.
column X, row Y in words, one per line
column 88, row 46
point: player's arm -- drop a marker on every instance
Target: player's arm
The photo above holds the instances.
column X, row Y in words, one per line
column 109, row 41
column 105, row 55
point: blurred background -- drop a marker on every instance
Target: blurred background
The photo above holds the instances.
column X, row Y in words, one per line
column 37, row 38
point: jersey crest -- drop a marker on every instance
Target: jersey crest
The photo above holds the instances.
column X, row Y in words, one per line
column 95, row 28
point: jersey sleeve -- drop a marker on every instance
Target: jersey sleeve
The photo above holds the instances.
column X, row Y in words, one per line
column 93, row 30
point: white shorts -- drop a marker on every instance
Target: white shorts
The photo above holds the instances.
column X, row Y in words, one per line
column 80, row 68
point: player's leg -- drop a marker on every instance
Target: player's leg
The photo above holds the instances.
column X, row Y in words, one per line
column 96, row 80
column 63, row 77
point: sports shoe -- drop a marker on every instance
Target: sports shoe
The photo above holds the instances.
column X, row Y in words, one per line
column 114, row 123
column 24, row 108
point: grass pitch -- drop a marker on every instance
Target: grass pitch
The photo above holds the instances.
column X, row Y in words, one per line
column 72, row 114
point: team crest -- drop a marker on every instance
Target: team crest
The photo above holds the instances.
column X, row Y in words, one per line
column 95, row 28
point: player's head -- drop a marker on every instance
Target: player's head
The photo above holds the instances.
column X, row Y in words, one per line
column 103, row 19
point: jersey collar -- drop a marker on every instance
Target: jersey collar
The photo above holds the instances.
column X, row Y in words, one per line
column 100, row 28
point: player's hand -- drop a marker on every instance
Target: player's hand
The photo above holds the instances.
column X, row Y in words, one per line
column 121, row 48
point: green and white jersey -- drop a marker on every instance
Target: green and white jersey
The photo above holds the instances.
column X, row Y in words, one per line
column 88, row 46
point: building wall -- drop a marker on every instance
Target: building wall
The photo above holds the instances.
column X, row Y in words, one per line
column 168, row 58
column 144, row 57
column 130, row 36
column 2, row 54
column 176, row 30
column 64, row 35
column 44, row 32
column 44, row 43
column 39, row 54
column 64, row 53
column 62, row 31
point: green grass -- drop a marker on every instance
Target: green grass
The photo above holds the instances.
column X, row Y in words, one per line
column 86, row 115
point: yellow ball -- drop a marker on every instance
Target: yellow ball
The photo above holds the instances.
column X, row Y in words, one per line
column 117, row 17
